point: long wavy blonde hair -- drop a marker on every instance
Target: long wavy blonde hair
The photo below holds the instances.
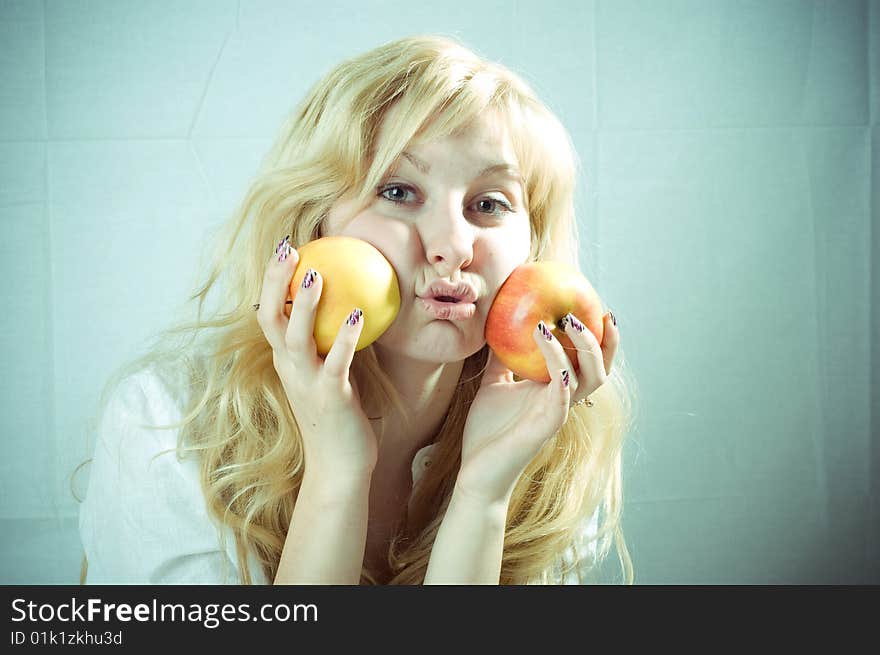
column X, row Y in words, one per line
column 238, row 420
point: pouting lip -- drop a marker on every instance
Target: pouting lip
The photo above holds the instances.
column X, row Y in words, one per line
column 451, row 311
column 462, row 291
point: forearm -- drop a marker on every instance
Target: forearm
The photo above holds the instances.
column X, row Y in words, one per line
column 469, row 543
column 327, row 535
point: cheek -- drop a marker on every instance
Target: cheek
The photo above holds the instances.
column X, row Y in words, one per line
column 339, row 216
column 392, row 238
column 508, row 252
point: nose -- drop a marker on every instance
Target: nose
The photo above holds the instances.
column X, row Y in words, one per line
column 448, row 238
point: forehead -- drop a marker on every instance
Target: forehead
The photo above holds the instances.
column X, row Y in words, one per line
column 484, row 137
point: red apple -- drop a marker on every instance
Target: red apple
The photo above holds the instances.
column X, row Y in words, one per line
column 540, row 291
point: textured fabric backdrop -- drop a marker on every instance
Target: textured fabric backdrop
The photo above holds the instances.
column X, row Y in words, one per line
column 729, row 180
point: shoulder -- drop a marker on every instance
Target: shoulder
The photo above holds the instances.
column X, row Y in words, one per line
column 135, row 461
column 144, row 518
column 139, row 424
column 152, row 394
column 138, row 414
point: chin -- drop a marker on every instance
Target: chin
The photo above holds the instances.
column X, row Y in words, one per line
column 436, row 344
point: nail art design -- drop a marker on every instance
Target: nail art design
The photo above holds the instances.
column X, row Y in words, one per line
column 286, row 249
column 355, row 317
column 545, row 331
column 576, row 324
column 565, row 379
column 308, row 279
column 613, row 320
column 281, row 244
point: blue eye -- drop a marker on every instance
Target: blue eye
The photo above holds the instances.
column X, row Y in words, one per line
column 397, row 193
column 383, row 191
column 497, row 201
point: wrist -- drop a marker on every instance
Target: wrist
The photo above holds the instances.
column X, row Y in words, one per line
column 329, row 489
column 334, row 469
column 491, row 506
column 469, row 545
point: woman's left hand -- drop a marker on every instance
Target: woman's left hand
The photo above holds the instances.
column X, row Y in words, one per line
column 509, row 421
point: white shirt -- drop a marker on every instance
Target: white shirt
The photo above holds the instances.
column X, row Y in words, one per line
column 144, row 519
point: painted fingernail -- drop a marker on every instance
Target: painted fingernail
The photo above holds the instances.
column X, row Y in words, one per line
column 613, row 320
column 576, row 324
column 285, row 250
column 281, row 244
column 545, row 331
column 355, row 317
column 565, row 377
column 308, row 279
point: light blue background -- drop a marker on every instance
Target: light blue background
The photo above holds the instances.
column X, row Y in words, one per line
column 729, row 186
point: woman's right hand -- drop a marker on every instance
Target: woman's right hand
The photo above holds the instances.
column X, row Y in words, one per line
column 339, row 442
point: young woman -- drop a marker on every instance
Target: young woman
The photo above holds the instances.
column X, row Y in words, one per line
column 240, row 455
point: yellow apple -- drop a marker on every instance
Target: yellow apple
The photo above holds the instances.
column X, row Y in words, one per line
column 540, row 291
column 355, row 274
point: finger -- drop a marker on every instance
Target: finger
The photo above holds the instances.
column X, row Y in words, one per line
column 591, row 370
column 562, row 381
column 299, row 338
column 610, row 341
column 338, row 360
column 275, row 291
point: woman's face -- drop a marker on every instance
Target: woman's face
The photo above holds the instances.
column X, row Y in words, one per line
column 439, row 215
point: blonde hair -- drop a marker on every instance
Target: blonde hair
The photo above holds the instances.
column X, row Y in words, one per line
column 238, row 418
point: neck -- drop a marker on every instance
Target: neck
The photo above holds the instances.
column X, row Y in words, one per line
column 426, row 390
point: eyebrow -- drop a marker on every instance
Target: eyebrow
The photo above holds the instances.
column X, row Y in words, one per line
column 507, row 168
